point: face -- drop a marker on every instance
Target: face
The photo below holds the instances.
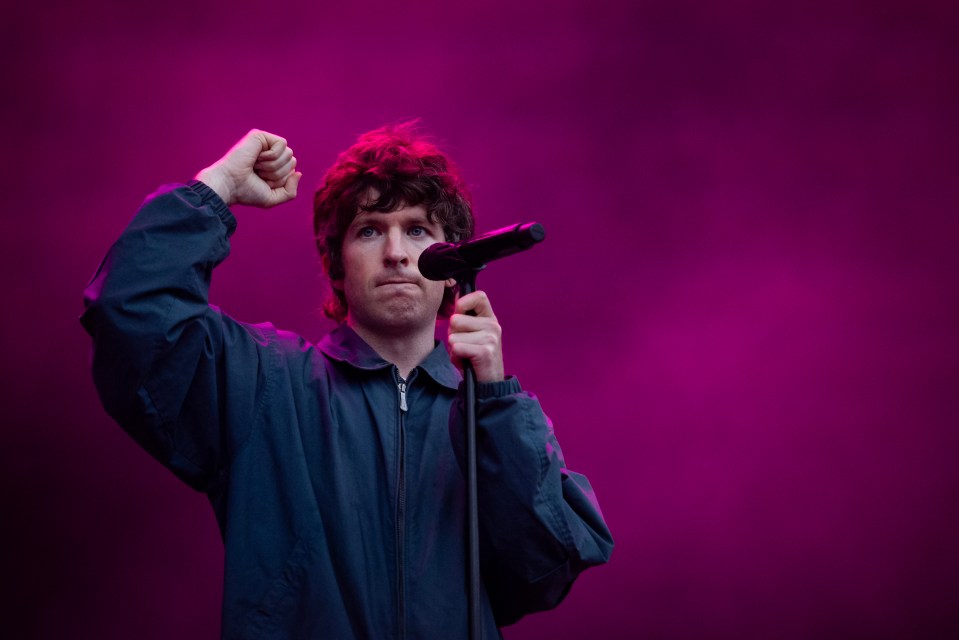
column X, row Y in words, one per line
column 385, row 293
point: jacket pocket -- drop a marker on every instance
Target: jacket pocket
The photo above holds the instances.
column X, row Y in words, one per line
column 267, row 618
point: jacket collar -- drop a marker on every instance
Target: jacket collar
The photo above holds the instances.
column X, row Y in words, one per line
column 345, row 345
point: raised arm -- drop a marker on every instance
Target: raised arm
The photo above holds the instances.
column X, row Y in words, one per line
column 164, row 361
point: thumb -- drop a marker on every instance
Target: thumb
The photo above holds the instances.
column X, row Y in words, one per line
column 287, row 192
column 292, row 183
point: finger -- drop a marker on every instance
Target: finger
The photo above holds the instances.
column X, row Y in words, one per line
column 263, row 164
column 280, row 174
column 264, row 139
column 272, row 146
column 485, row 362
column 489, row 338
column 282, row 181
column 469, row 351
column 475, row 353
column 477, row 302
column 286, row 168
column 285, row 192
column 460, row 323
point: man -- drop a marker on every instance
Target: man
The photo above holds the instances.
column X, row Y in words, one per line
column 335, row 470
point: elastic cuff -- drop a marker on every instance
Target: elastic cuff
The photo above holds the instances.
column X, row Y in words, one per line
column 498, row 389
column 210, row 197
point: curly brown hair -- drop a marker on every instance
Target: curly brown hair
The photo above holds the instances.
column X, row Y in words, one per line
column 405, row 169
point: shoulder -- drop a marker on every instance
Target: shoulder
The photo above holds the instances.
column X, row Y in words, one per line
column 285, row 344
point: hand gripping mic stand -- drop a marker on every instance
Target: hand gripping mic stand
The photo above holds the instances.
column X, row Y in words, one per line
column 463, row 262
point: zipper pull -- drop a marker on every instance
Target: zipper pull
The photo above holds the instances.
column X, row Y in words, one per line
column 402, row 387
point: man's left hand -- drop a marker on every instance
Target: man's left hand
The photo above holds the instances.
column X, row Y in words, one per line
column 477, row 338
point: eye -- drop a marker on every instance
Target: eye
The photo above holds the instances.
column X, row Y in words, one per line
column 366, row 232
column 418, row 232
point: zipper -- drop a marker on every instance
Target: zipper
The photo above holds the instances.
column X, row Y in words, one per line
column 401, row 506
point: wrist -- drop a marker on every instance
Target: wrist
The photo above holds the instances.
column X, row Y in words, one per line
column 498, row 389
column 219, row 183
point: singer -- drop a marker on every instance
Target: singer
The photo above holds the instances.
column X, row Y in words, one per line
column 335, row 470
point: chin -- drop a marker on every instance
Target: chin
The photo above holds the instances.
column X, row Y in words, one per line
column 400, row 318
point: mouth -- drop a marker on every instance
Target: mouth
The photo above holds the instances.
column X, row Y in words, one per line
column 396, row 281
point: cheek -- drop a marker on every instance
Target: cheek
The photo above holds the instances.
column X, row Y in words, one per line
column 355, row 259
column 438, row 290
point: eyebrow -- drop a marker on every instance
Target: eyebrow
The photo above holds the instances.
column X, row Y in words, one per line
column 370, row 217
column 363, row 219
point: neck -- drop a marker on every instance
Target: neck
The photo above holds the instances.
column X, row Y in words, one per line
column 405, row 350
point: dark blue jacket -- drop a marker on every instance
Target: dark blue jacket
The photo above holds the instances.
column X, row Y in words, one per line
column 342, row 514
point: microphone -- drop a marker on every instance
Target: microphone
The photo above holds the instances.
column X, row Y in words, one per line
column 445, row 260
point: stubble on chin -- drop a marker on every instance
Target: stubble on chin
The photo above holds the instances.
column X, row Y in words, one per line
column 397, row 316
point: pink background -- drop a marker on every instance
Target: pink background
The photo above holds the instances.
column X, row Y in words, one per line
column 743, row 321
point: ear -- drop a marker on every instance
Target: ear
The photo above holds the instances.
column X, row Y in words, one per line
column 450, row 283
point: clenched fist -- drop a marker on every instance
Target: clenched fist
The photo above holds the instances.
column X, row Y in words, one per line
column 260, row 170
column 477, row 338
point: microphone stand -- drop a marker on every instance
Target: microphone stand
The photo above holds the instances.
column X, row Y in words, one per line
column 445, row 260
column 467, row 285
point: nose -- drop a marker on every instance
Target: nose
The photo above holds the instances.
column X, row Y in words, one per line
column 396, row 251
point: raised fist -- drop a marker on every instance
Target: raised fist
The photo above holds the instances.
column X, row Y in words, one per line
column 260, row 170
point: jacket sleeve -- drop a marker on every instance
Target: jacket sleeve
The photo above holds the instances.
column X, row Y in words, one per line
column 540, row 523
column 171, row 369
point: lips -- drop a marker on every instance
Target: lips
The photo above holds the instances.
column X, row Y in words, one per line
column 396, row 281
